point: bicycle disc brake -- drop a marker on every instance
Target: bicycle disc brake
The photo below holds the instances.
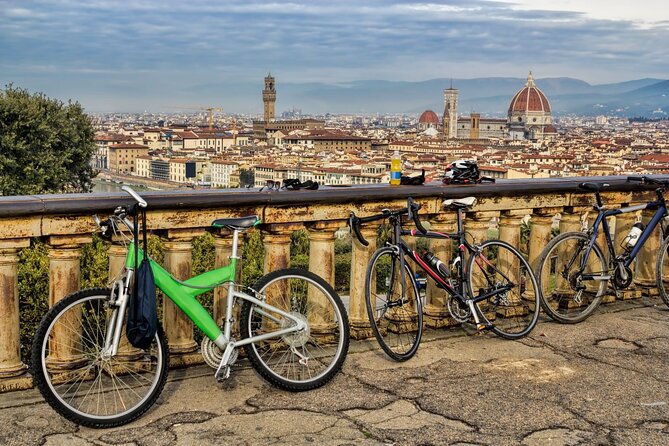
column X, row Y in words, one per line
column 459, row 310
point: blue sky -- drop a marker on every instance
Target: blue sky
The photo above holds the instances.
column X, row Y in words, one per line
column 134, row 55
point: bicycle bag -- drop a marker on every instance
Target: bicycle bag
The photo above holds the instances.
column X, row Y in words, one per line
column 142, row 321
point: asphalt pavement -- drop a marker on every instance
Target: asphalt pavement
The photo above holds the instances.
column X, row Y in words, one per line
column 602, row 382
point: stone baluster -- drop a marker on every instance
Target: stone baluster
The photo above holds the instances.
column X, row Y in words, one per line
column 178, row 327
column 571, row 221
column 647, row 258
column 117, row 255
column 436, row 309
column 623, row 224
column 357, row 313
column 277, row 246
column 540, row 232
column 477, row 225
column 12, row 369
column 223, row 250
column 322, row 263
column 510, row 223
column 64, row 279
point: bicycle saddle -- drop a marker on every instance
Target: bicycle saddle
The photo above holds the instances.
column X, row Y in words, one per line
column 236, row 223
column 455, row 203
column 593, row 187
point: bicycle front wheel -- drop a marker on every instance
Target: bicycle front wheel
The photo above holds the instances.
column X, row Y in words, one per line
column 301, row 360
column 83, row 383
column 662, row 272
column 569, row 295
column 497, row 270
column 396, row 317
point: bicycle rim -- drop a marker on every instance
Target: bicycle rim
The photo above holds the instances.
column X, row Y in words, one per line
column 395, row 319
column 499, row 271
column 662, row 271
column 79, row 381
column 570, row 296
column 300, row 360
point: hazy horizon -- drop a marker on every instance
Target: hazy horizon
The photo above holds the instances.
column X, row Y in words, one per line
column 118, row 56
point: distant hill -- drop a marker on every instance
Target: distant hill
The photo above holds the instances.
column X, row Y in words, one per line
column 489, row 96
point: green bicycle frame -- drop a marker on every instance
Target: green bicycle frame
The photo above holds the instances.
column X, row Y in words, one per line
column 183, row 293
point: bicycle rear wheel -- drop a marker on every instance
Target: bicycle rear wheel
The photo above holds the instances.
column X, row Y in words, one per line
column 82, row 383
column 302, row 360
column 499, row 271
column 396, row 318
column 567, row 295
column 662, row 271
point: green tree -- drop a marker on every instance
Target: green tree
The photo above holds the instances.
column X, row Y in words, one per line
column 45, row 145
column 246, row 178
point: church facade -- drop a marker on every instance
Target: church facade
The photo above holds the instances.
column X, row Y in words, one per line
column 528, row 118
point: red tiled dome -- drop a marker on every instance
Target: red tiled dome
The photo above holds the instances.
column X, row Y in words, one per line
column 529, row 99
column 428, row 117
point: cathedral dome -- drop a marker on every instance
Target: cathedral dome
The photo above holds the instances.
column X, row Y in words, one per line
column 428, row 117
column 529, row 99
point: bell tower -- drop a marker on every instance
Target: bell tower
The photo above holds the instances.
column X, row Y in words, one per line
column 451, row 112
column 269, row 98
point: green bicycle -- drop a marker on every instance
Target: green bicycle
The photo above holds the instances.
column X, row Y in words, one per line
column 293, row 327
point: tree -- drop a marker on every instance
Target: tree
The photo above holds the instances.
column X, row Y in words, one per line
column 246, row 177
column 45, row 145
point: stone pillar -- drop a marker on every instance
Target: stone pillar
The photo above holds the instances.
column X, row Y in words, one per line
column 623, row 224
column 540, row 232
column 436, row 307
column 540, row 235
column 277, row 246
column 509, row 226
column 322, row 263
column 223, row 250
column 357, row 313
column 477, row 226
column 647, row 258
column 277, row 256
column 117, row 255
column 178, row 262
column 571, row 221
column 10, row 347
column 64, row 279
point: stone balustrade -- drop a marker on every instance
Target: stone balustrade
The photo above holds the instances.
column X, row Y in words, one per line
column 64, row 222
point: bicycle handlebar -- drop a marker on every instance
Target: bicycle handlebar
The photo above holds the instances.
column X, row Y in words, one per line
column 140, row 201
column 411, row 211
column 413, row 208
column 645, row 179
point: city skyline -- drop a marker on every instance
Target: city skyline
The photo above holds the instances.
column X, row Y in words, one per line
column 112, row 56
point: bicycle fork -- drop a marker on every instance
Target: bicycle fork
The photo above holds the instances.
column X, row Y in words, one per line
column 118, row 303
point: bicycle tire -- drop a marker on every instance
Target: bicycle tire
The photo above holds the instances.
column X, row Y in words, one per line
column 512, row 314
column 662, row 271
column 399, row 330
column 301, row 360
column 127, row 384
column 560, row 296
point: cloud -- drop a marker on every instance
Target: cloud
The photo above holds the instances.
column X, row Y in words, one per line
column 176, row 43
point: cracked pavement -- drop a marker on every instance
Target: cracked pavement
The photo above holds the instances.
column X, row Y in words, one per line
column 601, row 382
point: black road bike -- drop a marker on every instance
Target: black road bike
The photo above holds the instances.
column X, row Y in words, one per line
column 573, row 271
column 491, row 282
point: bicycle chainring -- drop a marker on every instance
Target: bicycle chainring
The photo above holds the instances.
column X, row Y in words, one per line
column 212, row 354
column 459, row 310
column 619, row 281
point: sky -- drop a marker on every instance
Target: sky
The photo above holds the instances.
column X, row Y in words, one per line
column 115, row 55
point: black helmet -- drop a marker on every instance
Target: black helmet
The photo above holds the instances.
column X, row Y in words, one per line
column 462, row 172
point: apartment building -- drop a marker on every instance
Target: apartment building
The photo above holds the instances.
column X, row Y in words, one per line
column 122, row 157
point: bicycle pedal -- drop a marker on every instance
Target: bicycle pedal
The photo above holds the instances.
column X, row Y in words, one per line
column 483, row 327
column 223, row 373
